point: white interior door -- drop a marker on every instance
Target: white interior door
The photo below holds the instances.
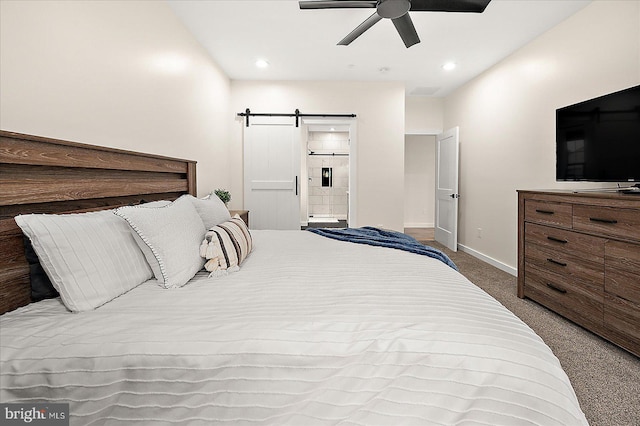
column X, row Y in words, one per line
column 446, row 220
column 271, row 173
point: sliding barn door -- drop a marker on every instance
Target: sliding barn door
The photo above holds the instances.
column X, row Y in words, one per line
column 271, row 173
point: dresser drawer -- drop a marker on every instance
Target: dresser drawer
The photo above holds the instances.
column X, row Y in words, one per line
column 568, row 266
column 622, row 271
column 579, row 255
column 586, row 247
column 575, row 302
column 622, row 321
column 622, row 223
column 548, row 213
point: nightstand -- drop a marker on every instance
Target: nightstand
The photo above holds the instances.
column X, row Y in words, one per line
column 244, row 215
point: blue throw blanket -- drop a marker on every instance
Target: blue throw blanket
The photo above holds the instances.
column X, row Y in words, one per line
column 383, row 238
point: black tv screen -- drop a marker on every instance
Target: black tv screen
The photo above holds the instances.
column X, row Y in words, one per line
column 599, row 140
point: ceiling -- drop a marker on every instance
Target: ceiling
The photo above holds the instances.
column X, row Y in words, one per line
column 301, row 44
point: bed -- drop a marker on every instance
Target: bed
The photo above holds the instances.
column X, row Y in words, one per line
column 308, row 330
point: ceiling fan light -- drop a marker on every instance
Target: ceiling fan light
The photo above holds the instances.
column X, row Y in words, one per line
column 393, row 9
column 397, row 11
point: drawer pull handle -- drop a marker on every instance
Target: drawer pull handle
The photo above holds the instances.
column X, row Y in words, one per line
column 544, row 211
column 597, row 219
column 558, row 289
column 557, row 240
column 556, row 262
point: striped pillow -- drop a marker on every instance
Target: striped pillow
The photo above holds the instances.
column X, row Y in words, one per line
column 226, row 246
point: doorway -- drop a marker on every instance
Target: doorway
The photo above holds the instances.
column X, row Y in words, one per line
column 431, row 187
column 419, row 184
column 327, row 170
column 328, row 178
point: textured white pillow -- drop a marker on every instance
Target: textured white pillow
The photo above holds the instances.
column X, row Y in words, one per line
column 212, row 210
column 90, row 258
column 154, row 204
column 170, row 238
column 148, row 254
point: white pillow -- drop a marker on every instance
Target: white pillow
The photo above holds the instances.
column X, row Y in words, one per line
column 170, row 238
column 159, row 203
column 212, row 210
column 148, row 254
column 90, row 258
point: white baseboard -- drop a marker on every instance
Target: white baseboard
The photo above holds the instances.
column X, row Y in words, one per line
column 418, row 225
column 491, row 261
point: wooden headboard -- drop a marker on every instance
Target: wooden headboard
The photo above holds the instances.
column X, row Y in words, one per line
column 42, row 175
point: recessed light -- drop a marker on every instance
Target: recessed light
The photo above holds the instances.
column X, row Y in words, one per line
column 449, row 66
column 261, row 63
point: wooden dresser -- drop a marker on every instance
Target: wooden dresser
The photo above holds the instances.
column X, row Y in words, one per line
column 579, row 255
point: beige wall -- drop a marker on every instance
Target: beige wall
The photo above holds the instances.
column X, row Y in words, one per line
column 507, row 116
column 423, row 116
column 379, row 155
column 122, row 74
column 129, row 75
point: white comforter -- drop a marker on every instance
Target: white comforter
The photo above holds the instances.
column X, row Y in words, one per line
column 309, row 331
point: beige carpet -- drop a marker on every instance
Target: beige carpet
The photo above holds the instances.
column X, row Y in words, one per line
column 606, row 378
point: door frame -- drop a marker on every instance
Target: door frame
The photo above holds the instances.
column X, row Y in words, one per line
column 325, row 124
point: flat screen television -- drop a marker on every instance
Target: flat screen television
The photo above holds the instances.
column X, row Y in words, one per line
column 599, row 140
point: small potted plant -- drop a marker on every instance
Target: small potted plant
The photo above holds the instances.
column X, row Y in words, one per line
column 223, row 194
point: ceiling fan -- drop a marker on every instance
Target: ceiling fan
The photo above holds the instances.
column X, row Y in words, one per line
column 397, row 11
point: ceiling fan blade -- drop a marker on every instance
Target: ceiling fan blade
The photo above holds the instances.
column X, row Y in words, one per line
column 473, row 6
column 337, row 4
column 407, row 31
column 368, row 23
